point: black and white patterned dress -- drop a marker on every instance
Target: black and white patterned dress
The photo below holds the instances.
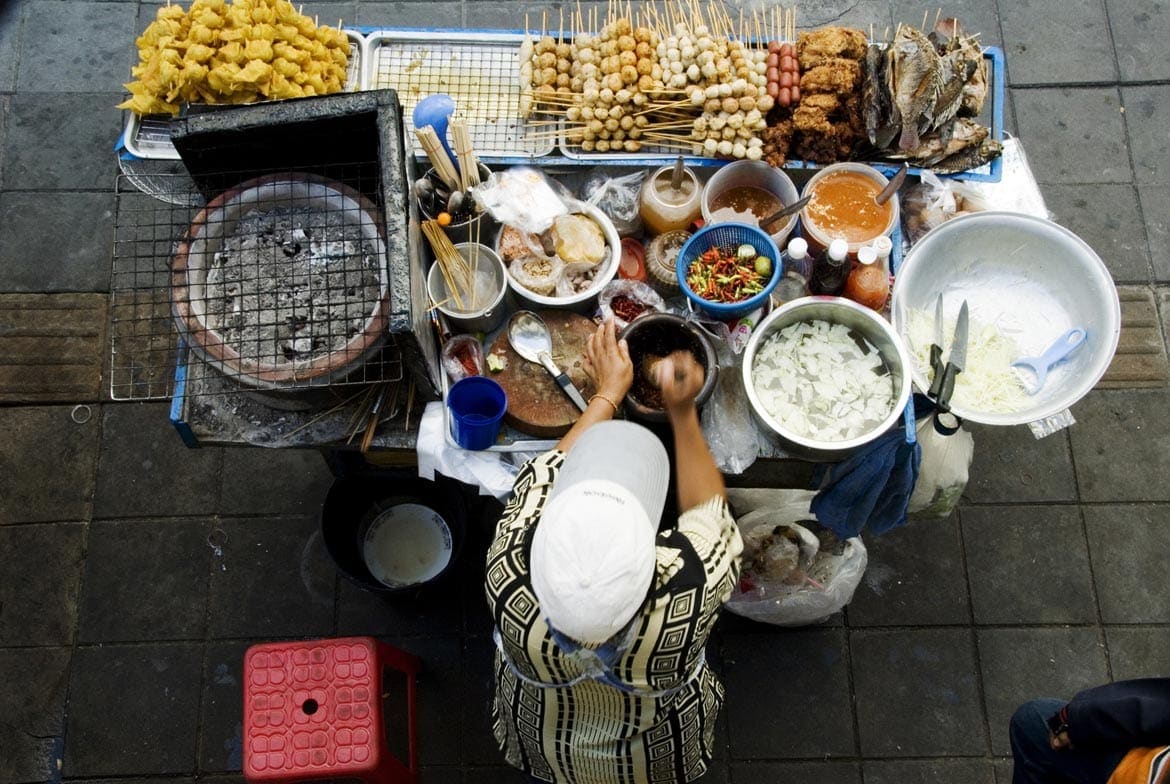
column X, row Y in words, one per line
column 648, row 715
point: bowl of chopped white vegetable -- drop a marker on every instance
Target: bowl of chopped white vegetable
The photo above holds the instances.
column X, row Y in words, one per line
column 826, row 376
column 1026, row 282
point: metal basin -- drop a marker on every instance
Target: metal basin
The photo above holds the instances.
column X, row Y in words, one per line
column 1031, row 278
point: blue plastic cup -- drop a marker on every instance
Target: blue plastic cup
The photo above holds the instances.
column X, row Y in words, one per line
column 477, row 408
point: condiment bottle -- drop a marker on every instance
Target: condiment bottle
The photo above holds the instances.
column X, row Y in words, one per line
column 671, row 199
column 868, row 283
column 883, row 246
column 795, row 263
column 832, row 270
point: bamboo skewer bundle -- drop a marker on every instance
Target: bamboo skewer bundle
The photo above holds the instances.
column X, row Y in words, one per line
column 468, row 163
column 444, row 168
column 457, row 273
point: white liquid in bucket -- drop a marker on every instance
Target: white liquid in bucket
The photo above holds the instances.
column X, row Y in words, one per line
column 407, row 544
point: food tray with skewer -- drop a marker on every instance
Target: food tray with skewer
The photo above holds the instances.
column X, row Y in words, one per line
column 149, row 137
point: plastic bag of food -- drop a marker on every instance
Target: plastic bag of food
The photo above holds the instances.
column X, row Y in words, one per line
column 934, row 201
column 576, row 278
column 617, row 197
column 795, row 572
column 462, row 357
column 942, row 476
column 538, row 274
column 522, row 197
column 726, row 418
column 625, row 300
column 579, row 239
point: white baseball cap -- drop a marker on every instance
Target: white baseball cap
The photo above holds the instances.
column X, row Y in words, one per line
column 592, row 558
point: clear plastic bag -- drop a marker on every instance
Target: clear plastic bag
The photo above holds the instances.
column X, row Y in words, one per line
column 795, row 573
column 576, row 277
column 731, row 433
column 942, row 476
column 538, row 274
column 934, row 201
column 617, row 197
column 522, row 197
column 462, row 357
column 635, row 290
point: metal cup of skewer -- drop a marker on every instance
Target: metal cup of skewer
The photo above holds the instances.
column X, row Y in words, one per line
column 470, row 296
column 446, row 186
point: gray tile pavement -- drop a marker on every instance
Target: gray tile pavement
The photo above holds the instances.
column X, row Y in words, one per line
column 1046, row 580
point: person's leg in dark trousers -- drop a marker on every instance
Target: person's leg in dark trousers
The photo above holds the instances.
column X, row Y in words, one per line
column 1036, row 762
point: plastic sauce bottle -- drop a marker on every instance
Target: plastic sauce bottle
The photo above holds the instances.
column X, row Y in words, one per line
column 796, row 265
column 831, row 271
column 868, row 283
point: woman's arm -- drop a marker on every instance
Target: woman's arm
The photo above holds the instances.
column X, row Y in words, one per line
column 680, row 378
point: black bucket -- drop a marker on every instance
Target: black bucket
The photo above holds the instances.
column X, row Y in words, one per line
column 393, row 534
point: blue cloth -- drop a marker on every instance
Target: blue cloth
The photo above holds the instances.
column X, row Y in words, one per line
column 1035, row 761
column 869, row 490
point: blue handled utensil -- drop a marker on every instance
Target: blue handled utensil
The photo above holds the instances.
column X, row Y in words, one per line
column 1058, row 352
column 435, row 111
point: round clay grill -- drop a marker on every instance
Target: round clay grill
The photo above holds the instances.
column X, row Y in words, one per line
column 191, row 264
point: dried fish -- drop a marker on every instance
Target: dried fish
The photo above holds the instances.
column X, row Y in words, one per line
column 916, row 73
column 879, row 124
column 970, row 158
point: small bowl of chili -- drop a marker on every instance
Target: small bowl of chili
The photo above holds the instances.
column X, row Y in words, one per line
column 728, row 270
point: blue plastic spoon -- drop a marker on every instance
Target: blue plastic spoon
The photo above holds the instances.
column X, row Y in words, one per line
column 435, row 111
column 1056, row 353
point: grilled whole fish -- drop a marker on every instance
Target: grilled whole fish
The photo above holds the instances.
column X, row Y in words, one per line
column 880, row 126
column 916, row 74
column 939, row 145
column 956, row 70
column 970, row 158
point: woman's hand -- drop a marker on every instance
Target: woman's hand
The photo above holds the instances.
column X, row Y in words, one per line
column 607, row 361
column 680, row 378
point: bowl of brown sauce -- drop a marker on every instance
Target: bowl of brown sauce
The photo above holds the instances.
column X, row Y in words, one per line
column 842, row 204
column 747, row 192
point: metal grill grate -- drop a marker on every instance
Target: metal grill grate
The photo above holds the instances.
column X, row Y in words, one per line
column 278, row 283
column 480, row 71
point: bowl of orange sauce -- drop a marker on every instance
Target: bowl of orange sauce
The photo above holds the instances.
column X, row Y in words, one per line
column 842, row 205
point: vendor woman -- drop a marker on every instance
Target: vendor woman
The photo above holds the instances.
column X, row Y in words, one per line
column 601, row 620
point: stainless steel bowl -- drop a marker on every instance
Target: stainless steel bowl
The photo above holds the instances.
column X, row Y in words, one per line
column 835, row 310
column 1034, row 280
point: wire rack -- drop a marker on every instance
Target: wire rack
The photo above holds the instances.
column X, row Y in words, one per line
column 480, row 71
column 277, row 283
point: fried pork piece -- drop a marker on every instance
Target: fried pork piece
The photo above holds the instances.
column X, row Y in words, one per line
column 777, row 141
column 829, row 146
column 829, row 42
column 834, row 75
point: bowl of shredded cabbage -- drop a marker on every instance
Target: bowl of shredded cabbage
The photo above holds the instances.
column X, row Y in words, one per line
column 826, row 376
column 1026, row 281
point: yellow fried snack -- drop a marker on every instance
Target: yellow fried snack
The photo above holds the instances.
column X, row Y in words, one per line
column 233, row 52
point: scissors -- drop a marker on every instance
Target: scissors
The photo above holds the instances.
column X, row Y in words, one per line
column 942, row 385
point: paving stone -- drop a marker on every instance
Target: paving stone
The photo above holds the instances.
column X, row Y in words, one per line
column 85, row 124
column 783, row 674
column 1132, row 420
column 479, row 744
column 901, row 587
column 51, row 60
column 1003, row 771
column 274, row 481
column 860, row 14
column 1073, row 134
column 45, row 442
column 1138, row 651
column 446, row 14
column 1108, row 218
column 133, row 709
column 55, row 241
column 1155, row 201
column 52, row 347
column 1028, row 564
column 980, row 16
column 32, row 728
column 221, row 736
column 1140, row 359
column 804, row 772
column 274, row 579
column 9, row 44
column 440, row 774
column 435, row 609
column 1023, row 664
column 146, row 471
column 952, row 771
column 1128, row 545
column 496, row 774
column 1147, row 114
column 1046, row 46
column 929, row 677
column 1141, row 27
column 442, row 704
column 1011, row 465
column 145, row 580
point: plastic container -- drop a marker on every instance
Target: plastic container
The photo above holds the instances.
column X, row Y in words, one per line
column 660, row 260
column 489, row 308
column 818, row 237
column 797, row 269
column 756, row 174
column 728, row 235
column 477, row 409
column 664, row 209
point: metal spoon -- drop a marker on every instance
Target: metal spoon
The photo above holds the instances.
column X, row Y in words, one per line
column 784, row 212
column 529, row 337
column 894, row 184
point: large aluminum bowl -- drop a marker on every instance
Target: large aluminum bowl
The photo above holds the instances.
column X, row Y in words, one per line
column 1034, row 280
column 835, row 310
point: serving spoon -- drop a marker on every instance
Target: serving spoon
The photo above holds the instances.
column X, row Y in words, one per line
column 529, row 337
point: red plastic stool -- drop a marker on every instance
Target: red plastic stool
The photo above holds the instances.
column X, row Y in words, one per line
column 313, row 710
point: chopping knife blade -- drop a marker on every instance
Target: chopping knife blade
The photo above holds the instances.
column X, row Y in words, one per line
column 956, row 361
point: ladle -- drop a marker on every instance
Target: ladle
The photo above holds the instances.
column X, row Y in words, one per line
column 894, row 184
column 784, row 212
column 435, row 111
column 530, row 338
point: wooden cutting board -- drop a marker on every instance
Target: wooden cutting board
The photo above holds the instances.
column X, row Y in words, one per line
column 536, row 405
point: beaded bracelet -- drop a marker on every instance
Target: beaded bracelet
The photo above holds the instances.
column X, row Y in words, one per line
column 606, row 399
